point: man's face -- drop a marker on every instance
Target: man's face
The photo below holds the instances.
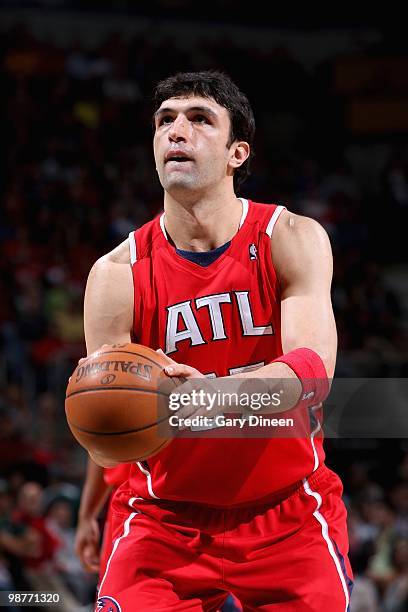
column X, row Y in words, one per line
column 190, row 144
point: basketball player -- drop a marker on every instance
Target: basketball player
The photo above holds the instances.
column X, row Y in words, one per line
column 220, row 284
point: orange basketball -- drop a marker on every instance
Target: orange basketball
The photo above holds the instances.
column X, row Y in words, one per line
column 116, row 402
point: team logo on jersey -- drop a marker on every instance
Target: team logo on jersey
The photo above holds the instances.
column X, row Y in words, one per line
column 107, row 604
column 253, row 253
column 182, row 323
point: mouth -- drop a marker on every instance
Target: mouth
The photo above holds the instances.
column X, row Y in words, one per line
column 177, row 158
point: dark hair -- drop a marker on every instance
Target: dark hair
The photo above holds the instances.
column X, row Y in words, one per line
column 219, row 87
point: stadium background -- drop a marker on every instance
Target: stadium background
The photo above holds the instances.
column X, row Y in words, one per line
column 76, row 175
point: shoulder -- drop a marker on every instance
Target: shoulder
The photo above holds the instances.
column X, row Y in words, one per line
column 111, row 274
column 297, row 228
column 118, row 255
column 299, row 243
column 116, row 261
column 300, row 233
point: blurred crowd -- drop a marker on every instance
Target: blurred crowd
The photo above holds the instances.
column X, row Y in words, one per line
column 377, row 503
column 77, row 174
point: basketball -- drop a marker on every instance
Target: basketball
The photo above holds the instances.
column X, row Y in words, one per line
column 116, row 400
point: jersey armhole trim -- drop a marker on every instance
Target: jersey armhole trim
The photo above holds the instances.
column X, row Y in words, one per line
column 273, row 220
column 245, row 207
column 132, row 246
column 163, row 227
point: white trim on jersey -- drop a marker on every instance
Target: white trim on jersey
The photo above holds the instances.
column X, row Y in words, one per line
column 312, row 436
column 149, row 479
column 126, row 530
column 163, row 228
column 273, row 219
column 325, row 533
column 132, row 246
column 245, row 207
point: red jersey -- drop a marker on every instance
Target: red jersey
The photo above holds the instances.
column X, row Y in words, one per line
column 219, row 319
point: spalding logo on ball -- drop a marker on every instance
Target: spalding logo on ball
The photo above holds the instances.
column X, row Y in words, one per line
column 116, row 403
column 108, row 379
column 95, row 366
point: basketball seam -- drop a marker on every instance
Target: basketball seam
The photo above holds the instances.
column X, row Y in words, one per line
column 116, row 433
column 104, row 387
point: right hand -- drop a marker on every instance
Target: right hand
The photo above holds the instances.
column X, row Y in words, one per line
column 82, row 359
column 87, row 544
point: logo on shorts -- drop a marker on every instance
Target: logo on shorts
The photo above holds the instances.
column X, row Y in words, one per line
column 107, row 604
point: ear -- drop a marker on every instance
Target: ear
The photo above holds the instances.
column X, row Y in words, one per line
column 239, row 153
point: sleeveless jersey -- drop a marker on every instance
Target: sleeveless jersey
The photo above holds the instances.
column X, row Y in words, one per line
column 219, row 319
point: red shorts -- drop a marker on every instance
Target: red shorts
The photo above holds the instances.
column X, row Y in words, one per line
column 181, row 556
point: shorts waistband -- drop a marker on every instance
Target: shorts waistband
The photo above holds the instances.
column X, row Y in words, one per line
column 314, row 480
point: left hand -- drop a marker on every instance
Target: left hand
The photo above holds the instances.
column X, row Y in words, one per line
column 197, row 386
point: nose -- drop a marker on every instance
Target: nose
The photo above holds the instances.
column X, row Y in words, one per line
column 179, row 129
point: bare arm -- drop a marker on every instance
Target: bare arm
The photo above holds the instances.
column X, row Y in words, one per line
column 94, row 493
column 108, row 307
column 108, row 317
column 302, row 258
column 93, row 497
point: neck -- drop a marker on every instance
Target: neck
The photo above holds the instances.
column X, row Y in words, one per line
column 202, row 225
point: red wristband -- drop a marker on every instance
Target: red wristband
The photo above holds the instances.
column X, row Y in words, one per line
column 310, row 370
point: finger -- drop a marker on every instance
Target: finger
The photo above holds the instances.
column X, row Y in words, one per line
column 95, row 353
column 180, row 369
column 169, row 359
column 188, row 412
column 90, row 558
column 195, row 407
column 192, row 386
column 81, row 361
column 91, row 565
column 205, row 411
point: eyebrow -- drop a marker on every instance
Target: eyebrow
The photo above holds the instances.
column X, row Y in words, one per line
column 201, row 109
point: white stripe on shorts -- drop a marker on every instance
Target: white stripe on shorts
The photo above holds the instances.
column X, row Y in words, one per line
column 126, row 530
column 325, row 534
